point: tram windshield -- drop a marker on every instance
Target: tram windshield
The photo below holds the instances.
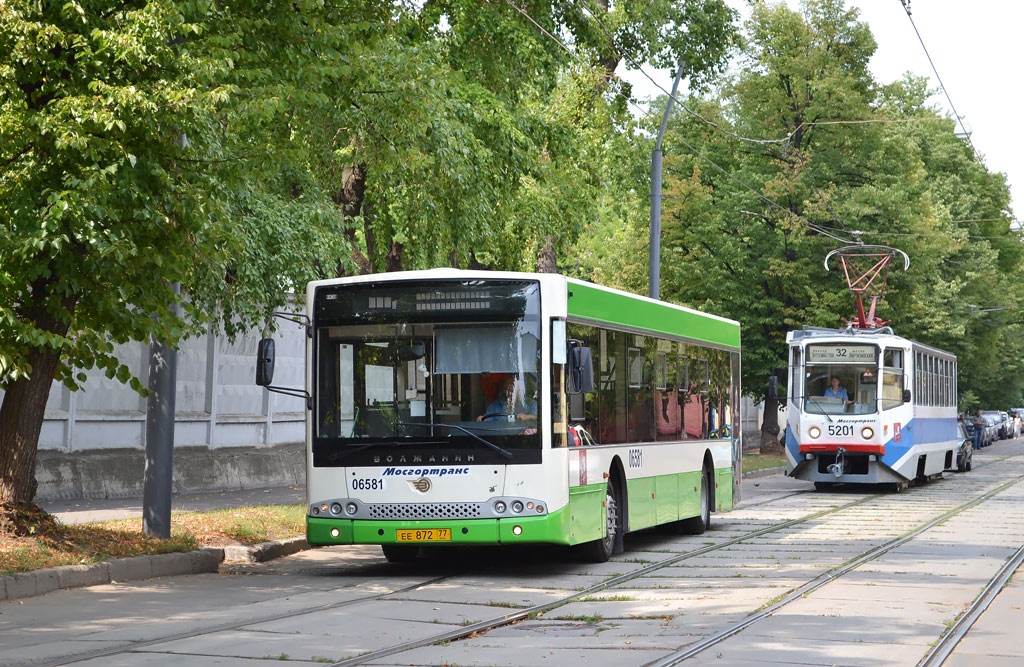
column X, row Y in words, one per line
column 841, row 379
column 451, row 364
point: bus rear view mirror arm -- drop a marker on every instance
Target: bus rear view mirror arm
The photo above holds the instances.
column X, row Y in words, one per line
column 265, row 373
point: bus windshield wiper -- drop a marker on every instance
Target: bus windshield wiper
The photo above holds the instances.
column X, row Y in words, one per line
column 504, row 452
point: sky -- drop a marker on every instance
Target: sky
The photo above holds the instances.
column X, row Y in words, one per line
column 977, row 49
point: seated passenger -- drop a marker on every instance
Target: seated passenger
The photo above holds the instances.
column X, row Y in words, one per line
column 510, row 403
column 835, row 391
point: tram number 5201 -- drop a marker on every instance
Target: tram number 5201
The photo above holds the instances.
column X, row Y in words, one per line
column 636, row 458
column 840, row 429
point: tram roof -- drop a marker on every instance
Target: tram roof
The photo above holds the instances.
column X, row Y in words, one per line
column 590, row 302
column 809, row 334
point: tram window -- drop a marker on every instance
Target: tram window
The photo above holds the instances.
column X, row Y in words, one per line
column 892, row 379
column 795, row 384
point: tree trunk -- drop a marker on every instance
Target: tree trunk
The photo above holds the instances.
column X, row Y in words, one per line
column 770, row 428
column 21, row 419
column 394, row 257
column 349, row 198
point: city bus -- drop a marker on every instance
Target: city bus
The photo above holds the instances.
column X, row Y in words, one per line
column 450, row 407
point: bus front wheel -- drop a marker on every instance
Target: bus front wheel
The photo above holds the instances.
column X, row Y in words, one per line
column 698, row 524
column 601, row 550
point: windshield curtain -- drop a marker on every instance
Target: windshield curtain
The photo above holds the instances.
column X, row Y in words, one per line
column 841, row 379
column 428, row 368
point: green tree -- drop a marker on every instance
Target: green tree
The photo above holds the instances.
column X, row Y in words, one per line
column 126, row 145
column 241, row 149
column 747, row 224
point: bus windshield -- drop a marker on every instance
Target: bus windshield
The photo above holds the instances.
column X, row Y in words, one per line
column 424, row 366
column 841, row 379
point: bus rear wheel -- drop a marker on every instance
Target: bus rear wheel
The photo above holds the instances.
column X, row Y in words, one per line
column 400, row 553
column 698, row 524
column 601, row 550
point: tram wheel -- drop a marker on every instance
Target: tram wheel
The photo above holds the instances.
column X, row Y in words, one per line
column 400, row 553
column 600, row 550
column 698, row 524
column 824, row 486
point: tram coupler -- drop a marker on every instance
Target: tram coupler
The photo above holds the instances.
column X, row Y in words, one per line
column 837, row 468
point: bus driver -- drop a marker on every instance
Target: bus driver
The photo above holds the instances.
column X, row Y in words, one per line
column 510, row 402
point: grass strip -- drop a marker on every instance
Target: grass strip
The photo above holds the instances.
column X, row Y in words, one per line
column 41, row 541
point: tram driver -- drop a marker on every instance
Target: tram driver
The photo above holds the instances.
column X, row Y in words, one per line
column 837, row 391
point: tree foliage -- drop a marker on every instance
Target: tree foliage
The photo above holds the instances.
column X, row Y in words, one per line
column 240, row 149
column 748, row 224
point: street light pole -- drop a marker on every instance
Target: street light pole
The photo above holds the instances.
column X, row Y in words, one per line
column 159, row 469
column 654, row 277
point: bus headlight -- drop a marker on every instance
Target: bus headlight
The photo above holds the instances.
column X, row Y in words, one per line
column 351, row 508
column 814, row 431
column 517, row 506
column 335, row 508
column 867, row 433
column 499, row 507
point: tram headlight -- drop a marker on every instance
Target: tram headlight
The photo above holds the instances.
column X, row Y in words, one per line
column 867, row 433
column 500, row 507
column 814, row 432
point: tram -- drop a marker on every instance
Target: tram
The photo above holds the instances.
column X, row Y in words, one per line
column 868, row 406
column 865, row 405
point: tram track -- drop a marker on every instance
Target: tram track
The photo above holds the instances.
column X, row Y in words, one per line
column 699, row 647
column 119, row 650
column 689, row 651
column 462, row 631
column 518, row 615
column 521, row 614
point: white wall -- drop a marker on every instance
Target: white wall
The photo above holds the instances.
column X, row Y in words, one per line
column 217, row 402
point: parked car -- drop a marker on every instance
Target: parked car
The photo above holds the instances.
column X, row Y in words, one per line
column 965, row 452
column 1000, row 420
column 994, row 424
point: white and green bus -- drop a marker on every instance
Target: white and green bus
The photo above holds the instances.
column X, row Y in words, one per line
column 450, row 407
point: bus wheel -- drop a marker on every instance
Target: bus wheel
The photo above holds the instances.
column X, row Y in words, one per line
column 400, row 553
column 602, row 549
column 698, row 524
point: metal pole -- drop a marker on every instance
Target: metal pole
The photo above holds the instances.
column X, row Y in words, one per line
column 654, row 276
column 159, row 471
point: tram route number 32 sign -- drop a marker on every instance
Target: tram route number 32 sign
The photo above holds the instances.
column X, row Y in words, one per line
column 840, row 354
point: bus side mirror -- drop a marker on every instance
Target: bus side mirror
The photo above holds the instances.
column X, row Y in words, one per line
column 265, row 362
column 773, row 387
column 906, row 395
column 580, row 371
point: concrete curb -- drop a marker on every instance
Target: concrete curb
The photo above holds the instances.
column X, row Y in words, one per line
column 264, row 551
column 208, row 559
column 764, row 472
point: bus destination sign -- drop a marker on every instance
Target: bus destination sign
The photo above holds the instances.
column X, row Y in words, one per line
column 842, row 354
